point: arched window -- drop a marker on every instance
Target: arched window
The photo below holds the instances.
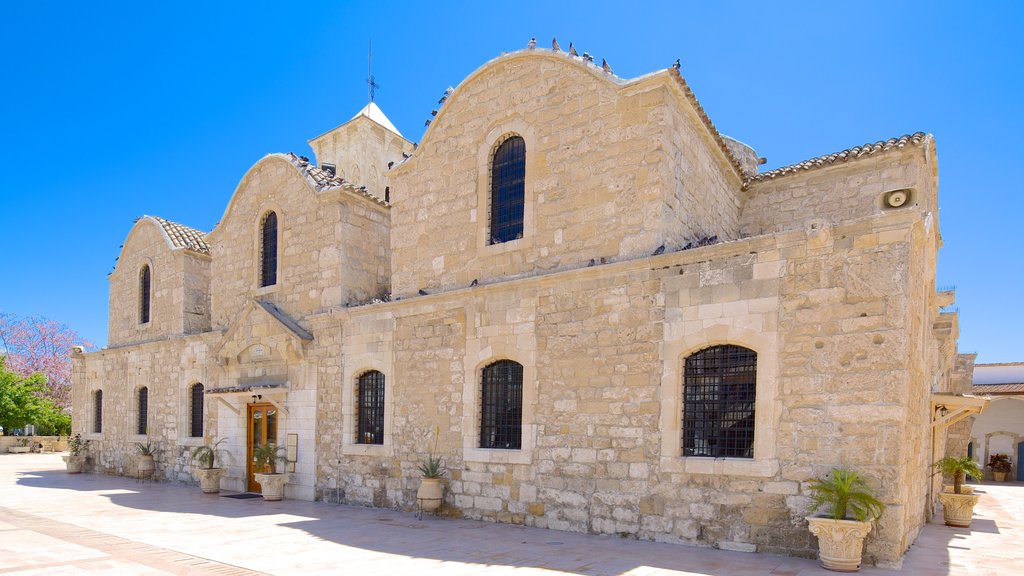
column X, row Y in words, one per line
column 501, row 406
column 97, row 411
column 268, row 250
column 718, row 402
column 196, row 411
column 142, row 427
column 508, row 185
column 144, row 292
column 370, row 408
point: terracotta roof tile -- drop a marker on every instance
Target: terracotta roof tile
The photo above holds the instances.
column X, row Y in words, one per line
column 184, row 237
column 855, row 153
column 987, row 389
column 322, row 179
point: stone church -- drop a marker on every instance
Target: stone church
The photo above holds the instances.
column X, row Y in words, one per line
column 575, row 291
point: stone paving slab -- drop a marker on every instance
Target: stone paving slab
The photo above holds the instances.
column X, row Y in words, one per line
column 57, row 523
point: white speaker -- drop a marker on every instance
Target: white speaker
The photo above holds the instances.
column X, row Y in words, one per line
column 896, row 198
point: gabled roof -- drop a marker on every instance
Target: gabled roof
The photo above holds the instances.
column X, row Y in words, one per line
column 371, row 111
column 182, row 236
column 850, row 154
column 321, row 179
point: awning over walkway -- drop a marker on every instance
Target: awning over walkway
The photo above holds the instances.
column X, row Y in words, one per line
column 272, row 392
column 948, row 409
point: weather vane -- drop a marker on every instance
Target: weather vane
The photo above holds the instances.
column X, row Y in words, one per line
column 371, row 85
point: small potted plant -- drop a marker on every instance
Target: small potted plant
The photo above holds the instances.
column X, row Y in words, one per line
column 144, row 462
column 265, row 457
column 431, row 492
column 208, row 473
column 843, row 493
column 958, row 503
column 21, row 448
column 1000, row 465
column 77, row 453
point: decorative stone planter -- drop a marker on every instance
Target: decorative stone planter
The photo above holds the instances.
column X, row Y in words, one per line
column 272, row 485
column 209, row 479
column 965, row 489
column 840, row 542
column 74, row 464
column 430, row 494
column 958, row 509
column 146, row 465
column 19, row 449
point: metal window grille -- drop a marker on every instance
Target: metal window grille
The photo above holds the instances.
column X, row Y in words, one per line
column 501, row 414
column 144, row 291
column 97, row 415
column 268, row 250
column 718, row 402
column 143, row 424
column 370, row 408
column 197, row 411
column 508, row 184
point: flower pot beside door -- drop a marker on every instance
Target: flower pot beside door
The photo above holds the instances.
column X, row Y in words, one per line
column 958, row 503
column 1000, row 465
column 264, row 459
column 272, row 485
column 208, row 474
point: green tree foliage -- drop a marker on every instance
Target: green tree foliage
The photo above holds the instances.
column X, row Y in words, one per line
column 23, row 401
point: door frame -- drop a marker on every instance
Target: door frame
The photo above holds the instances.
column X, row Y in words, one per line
column 250, row 483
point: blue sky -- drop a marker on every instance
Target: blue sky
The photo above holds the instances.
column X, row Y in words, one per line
column 113, row 110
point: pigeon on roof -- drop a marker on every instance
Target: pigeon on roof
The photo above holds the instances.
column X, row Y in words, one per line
column 606, row 67
column 572, row 50
column 532, row 44
column 555, row 46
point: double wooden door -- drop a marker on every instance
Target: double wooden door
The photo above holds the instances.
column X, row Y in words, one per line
column 262, row 425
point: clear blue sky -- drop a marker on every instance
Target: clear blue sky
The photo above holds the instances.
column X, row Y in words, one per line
column 111, row 110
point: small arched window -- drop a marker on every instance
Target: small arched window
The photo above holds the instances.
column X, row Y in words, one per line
column 501, row 406
column 268, row 250
column 142, row 427
column 196, row 411
column 719, row 385
column 97, row 411
column 144, row 294
column 508, row 190
column 370, row 408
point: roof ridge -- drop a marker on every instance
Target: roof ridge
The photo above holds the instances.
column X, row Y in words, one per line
column 854, row 153
column 182, row 236
column 322, row 179
column 703, row 115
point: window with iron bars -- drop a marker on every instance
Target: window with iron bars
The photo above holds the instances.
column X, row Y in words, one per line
column 501, row 406
column 143, row 424
column 97, row 414
column 144, row 292
column 268, row 250
column 508, row 189
column 719, row 386
column 196, row 429
column 370, row 408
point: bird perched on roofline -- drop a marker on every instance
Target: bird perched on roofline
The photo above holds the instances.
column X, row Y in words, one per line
column 427, row 123
column 532, row 44
column 448, row 92
column 675, row 65
column 606, row 67
column 572, row 50
column 588, row 57
column 555, row 46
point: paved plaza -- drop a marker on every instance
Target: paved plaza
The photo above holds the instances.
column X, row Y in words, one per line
column 54, row 523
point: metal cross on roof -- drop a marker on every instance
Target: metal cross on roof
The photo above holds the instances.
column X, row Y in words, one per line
column 371, row 85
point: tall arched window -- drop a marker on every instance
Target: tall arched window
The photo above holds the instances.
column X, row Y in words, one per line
column 501, row 406
column 719, row 386
column 508, row 188
column 142, row 427
column 97, row 411
column 144, row 292
column 268, row 250
column 196, row 411
column 370, row 408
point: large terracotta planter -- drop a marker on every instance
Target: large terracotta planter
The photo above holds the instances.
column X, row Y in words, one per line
column 430, row 494
column 1000, row 476
column 75, row 464
column 840, row 542
column 209, row 479
column 272, row 485
column 958, row 509
column 146, row 465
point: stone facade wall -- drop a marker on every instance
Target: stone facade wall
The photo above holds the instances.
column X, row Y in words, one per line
column 361, row 151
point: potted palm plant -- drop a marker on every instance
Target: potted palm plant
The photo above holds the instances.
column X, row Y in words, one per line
column 1000, row 465
column 958, row 505
column 843, row 493
column 144, row 462
column 208, row 473
column 265, row 457
column 77, row 454
column 431, row 492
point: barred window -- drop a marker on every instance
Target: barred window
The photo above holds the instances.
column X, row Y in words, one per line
column 501, row 404
column 142, row 427
column 97, row 411
column 718, row 402
column 370, row 408
column 268, row 250
column 508, row 188
column 196, row 411
column 144, row 292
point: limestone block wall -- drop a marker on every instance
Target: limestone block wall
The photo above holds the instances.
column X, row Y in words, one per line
column 179, row 283
column 842, row 192
column 361, row 150
column 600, row 182
column 602, row 348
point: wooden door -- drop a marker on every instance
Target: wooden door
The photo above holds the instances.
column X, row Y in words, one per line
column 262, row 425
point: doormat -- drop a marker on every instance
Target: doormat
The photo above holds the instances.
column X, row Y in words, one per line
column 242, row 496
